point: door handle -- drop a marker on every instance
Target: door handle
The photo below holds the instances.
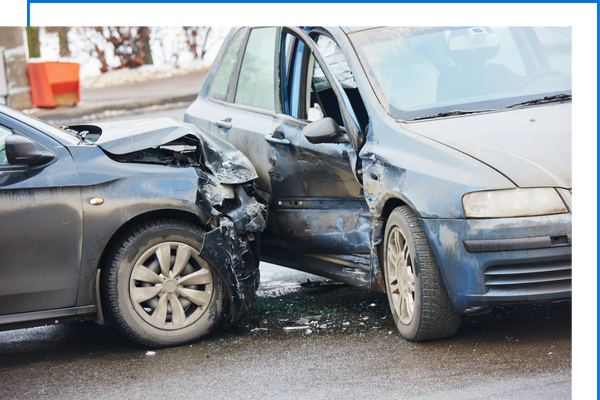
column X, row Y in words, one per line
column 226, row 123
column 274, row 140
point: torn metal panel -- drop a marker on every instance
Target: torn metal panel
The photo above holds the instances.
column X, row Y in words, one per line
column 228, row 249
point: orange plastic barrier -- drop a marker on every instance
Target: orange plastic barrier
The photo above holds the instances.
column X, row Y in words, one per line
column 54, row 83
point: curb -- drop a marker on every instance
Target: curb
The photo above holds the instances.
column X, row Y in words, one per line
column 88, row 113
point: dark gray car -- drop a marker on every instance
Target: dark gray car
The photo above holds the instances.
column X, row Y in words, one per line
column 149, row 222
column 431, row 163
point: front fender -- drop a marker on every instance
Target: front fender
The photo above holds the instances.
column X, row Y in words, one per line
column 227, row 248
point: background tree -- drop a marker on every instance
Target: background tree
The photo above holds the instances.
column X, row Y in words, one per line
column 145, row 44
column 63, row 39
column 196, row 37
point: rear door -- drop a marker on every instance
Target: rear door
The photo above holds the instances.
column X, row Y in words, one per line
column 240, row 104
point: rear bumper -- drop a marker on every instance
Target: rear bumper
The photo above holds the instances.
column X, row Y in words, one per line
column 499, row 261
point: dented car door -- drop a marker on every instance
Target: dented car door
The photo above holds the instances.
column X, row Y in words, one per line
column 318, row 200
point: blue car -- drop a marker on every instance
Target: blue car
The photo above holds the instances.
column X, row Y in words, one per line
column 430, row 163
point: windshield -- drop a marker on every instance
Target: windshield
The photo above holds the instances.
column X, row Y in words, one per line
column 418, row 71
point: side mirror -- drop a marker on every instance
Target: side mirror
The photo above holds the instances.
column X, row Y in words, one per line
column 324, row 130
column 22, row 150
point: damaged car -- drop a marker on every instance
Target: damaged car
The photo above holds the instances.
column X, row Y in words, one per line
column 429, row 163
column 151, row 223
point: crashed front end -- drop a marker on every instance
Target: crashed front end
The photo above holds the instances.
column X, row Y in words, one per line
column 229, row 207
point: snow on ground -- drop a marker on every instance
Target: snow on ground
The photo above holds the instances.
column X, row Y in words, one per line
column 170, row 56
column 145, row 73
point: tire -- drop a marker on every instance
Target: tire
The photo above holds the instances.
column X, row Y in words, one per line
column 157, row 291
column 418, row 298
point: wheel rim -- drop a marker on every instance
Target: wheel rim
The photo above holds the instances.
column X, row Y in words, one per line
column 170, row 286
column 401, row 275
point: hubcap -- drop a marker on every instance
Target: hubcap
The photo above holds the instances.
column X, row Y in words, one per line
column 401, row 275
column 170, row 286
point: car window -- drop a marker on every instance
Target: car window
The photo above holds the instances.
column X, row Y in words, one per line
column 4, row 132
column 332, row 53
column 311, row 98
column 256, row 82
column 220, row 84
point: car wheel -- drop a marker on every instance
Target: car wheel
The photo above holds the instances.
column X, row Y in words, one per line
column 157, row 290
column 416, row 292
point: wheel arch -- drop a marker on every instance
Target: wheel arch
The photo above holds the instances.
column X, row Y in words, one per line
column 118, row 235
column 142, row 218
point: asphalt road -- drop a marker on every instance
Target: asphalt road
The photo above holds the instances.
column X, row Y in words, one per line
column 346, row 346
column 342, row 344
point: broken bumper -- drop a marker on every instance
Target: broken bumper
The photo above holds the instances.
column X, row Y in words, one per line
column 228, row 248
column 489, row 262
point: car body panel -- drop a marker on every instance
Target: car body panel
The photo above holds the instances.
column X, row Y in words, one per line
column 531, row 145
column 227, row 163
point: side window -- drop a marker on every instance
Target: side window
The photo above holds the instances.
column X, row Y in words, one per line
column 322, row 100
column 292, row 54
column 332, row 53
column 256, row 82
column 220, row 85
column 4, row 132
column 306, row 92
column 315, row 99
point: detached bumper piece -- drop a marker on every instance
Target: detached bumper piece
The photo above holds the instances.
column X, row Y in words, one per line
column 228, row 249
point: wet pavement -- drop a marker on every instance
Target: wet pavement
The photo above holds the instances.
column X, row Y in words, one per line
column 345, row 345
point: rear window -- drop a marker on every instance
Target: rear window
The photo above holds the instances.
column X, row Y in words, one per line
column 220, row 84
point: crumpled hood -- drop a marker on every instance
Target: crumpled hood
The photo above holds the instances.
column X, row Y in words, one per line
column 531, row 146
column 227, row 163
column 122, row 137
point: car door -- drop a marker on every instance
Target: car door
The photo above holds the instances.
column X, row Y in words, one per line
column 318, row 199
column 240, row 103
column 40, row 227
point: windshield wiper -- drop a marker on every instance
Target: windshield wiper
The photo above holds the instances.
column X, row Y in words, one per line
column 547, row 99
column 450, row 113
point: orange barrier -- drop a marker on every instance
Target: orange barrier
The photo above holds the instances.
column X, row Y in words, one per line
column 54, row 83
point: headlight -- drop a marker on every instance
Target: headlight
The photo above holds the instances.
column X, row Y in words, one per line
column 513, row 203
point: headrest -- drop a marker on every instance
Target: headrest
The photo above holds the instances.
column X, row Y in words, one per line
column 472, row 45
